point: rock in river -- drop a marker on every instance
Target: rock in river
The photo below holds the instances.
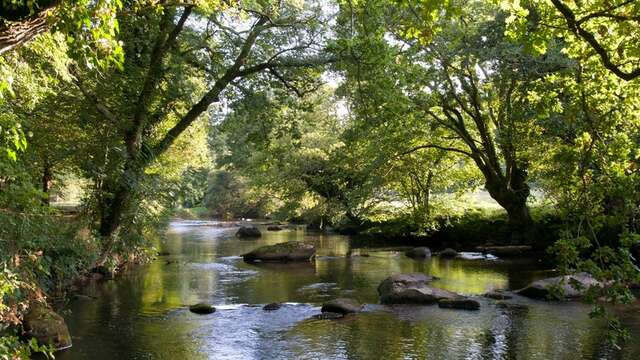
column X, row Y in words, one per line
column 248, row 232
column 328, row 316
column 272, row 306
column 544, row 288
column 202, row 308
column 497, row 295
column 448, row 253
column 283, row 252
column 411, row 289
column 419, row 252
column 47, row 327
column 342, row 306
column 274, row 228
column 459, row 303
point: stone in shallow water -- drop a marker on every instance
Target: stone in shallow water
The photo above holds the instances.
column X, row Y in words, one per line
column 328, row 316
column 46, row 326
column 459, row 303
column 511, row 306
column 419, row 252
column 497, row 295
column 274, row 228
column 448, row 253
column 411, row 289
column 342, row 306
column 248, row 232
column 283, row 252
column 544, row 288
column 202, row 308
column 272, row 306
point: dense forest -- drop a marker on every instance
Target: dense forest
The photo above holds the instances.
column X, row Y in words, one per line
column 453, row 123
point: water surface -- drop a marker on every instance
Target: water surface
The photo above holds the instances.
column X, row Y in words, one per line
column 142, row 314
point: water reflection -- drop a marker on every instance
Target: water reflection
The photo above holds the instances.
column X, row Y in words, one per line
column 142, row 314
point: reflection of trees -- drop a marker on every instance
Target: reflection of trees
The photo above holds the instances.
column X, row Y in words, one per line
column 543, row 331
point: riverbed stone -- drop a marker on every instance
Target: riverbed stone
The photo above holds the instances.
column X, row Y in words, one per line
column 411, row 289
column 202, row 308
column 545, row 288
column 282, row 252
column 272, row 306
column 459, row 302
column 342, row 305
column 421, row 252
column 46, row 326
column 505, row 251
column 328, row 316
column 274, row 228
column 448, row 253
column 497, row 295
column 248, row 232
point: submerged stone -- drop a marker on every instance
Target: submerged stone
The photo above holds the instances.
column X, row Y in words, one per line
column 248, row 232
column 342, row 306
column 448, row 253
column 419, row 252
column 328, row 316
column 497, row 295
column 508, row 250
column 46, row 326
column 274, row 228
column 462, row 303
column 202, row 308
column 283, row 252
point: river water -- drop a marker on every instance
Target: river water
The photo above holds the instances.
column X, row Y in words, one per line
column 142, row 314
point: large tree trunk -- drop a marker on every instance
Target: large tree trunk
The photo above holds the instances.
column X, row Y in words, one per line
column 512, row 195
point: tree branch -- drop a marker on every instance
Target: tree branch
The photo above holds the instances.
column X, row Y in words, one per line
column 577, row 29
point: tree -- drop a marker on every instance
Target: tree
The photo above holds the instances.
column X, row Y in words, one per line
column 594, row 29
column 470, row 85
column 180, row 60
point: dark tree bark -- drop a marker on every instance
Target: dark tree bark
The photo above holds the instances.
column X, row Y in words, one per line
column 47, row 179
column 19, row 25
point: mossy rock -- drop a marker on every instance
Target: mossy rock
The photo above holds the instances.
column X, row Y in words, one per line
column 46, row 326
column 283, row 252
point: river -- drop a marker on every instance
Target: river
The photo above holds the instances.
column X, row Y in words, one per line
column 143, row 315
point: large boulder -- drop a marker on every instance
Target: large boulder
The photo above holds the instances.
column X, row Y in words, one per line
column 342, row 306
column 448, row 253
column 422, row 252
column 567, row 287
column 248, row 232
column 283, row 252
column 411, row 289
column 460, row 302
column 46, row 326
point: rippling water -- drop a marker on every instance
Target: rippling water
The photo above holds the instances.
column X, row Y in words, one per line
column 142, row 315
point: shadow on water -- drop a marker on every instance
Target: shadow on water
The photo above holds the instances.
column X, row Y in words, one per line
column 142, row 315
